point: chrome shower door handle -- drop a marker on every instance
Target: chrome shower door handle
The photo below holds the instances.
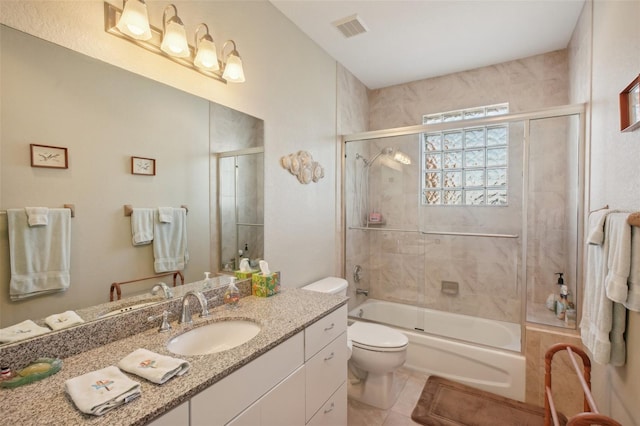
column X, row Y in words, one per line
column 356, row 273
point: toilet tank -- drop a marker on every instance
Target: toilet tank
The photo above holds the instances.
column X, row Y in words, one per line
column 331, row 285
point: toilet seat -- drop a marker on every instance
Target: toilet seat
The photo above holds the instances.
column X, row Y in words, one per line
column 376, row 337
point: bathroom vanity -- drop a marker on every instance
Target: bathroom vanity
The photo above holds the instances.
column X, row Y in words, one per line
column 293, row 372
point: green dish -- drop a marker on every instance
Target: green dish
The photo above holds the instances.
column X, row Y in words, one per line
column 39, row 369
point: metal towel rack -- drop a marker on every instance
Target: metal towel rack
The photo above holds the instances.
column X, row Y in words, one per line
column 591, row 415
column 116, row 286
column 71, row 207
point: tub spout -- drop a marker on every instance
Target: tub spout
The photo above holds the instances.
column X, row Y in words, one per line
column 362, row 291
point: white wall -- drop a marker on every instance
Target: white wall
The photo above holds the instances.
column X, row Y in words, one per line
column 615, row 163
column 291, row 85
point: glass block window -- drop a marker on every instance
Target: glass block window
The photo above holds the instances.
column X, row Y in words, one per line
column 466, row 166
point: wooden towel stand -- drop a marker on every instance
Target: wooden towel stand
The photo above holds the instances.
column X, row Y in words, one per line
column 116, row 286
column 590, row 415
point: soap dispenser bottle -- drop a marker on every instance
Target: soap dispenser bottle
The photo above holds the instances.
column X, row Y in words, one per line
column 207, row 281
column 232, row 295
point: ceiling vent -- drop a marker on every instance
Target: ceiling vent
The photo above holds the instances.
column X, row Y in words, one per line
column 350, row 26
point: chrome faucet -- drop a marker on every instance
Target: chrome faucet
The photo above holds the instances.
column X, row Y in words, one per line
column 362, row 291
column 166, row 290
column 185, row 317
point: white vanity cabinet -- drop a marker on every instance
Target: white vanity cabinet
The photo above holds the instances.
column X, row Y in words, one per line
column 301, row 381
column 179, row 416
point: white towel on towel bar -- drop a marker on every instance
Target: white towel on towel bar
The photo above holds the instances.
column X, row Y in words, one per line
column 39, row 256
column 165, row 214
column 170, row 242
column 619, row 260
column 633, row 296
column 142, row 226
column 38, row 216
column 603, row 321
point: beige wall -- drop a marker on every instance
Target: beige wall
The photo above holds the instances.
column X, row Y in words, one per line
column 285, row 72
column 605, row 58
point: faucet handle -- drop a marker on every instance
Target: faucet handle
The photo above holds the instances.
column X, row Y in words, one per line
column 166, row 325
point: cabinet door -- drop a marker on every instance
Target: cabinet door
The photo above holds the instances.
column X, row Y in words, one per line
column 284, row 404
column 334, row 411
column 281, row 406
column 179, row 416
column 225, row 399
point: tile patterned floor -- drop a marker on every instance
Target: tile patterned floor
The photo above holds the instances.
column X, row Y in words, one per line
column 412, row 382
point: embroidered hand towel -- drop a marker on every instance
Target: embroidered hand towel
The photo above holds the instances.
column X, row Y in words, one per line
column 142, row 226
column 63, row 320
column 38, row 216
column 21, row 331
column 152, row 366
column 101, row 391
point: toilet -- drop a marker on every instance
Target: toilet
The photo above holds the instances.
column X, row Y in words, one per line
column 376, row 351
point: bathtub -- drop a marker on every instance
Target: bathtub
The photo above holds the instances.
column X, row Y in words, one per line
column 450, row 347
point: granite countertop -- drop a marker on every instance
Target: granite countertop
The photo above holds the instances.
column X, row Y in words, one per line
column 280, row 316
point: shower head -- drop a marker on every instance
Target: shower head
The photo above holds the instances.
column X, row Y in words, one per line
column 394, row 154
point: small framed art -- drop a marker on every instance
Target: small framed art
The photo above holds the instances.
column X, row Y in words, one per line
column 54, row 157
column 630, row 106
column 143, row 166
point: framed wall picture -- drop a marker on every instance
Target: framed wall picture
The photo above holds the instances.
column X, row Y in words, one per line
column 143, row 166
column 54, row 157
column 630, row 106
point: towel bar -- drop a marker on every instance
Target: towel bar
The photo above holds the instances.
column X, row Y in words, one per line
column 71, row 207
column 128, row 209
column 116, row 286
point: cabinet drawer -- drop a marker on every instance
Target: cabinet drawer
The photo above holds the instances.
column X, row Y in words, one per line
column 334, row 411
column 325, row 372
column 225, row 399
column 323, row 331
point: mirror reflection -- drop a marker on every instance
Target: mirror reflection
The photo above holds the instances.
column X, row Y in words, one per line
column 103, row 115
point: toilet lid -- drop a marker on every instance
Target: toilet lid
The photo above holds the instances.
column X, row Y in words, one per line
column 376, row 336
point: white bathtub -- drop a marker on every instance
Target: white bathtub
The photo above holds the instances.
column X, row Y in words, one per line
column 446, row 347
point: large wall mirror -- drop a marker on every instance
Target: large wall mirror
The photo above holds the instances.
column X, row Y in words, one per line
column 103, row 116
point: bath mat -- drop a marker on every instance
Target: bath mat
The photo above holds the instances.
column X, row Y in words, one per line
column 446, row 403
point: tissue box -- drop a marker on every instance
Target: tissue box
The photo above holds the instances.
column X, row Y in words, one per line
column 265, row 285
column 244, row 275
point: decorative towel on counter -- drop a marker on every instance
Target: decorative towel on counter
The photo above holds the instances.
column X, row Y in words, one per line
column 165, row 214
column 63, row 320
column 102, row 390
column 170, row 242
column 39, row 256
column 152, row 366
column 38, row 216
column 142, row 226
column 21, row 331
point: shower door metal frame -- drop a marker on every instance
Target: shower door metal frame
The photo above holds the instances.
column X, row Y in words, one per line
column 525, row 117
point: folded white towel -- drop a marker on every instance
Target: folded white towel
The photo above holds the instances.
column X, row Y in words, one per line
column 63, row 320
column 619, row 260
column 39, row 256
column 165, row 214
column 152, row 366
column 633, row 297
column 101, row 391
column 142, row 226
column 170, row 243
column 37, row 215
column 21, row 331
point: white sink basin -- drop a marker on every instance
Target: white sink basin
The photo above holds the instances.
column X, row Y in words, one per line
column 214, row 337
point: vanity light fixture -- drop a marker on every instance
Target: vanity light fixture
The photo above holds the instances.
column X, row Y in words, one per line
column 134, row 20
column 174, row 36
column 171, row 42
column 233, row 71
column 206, row 56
